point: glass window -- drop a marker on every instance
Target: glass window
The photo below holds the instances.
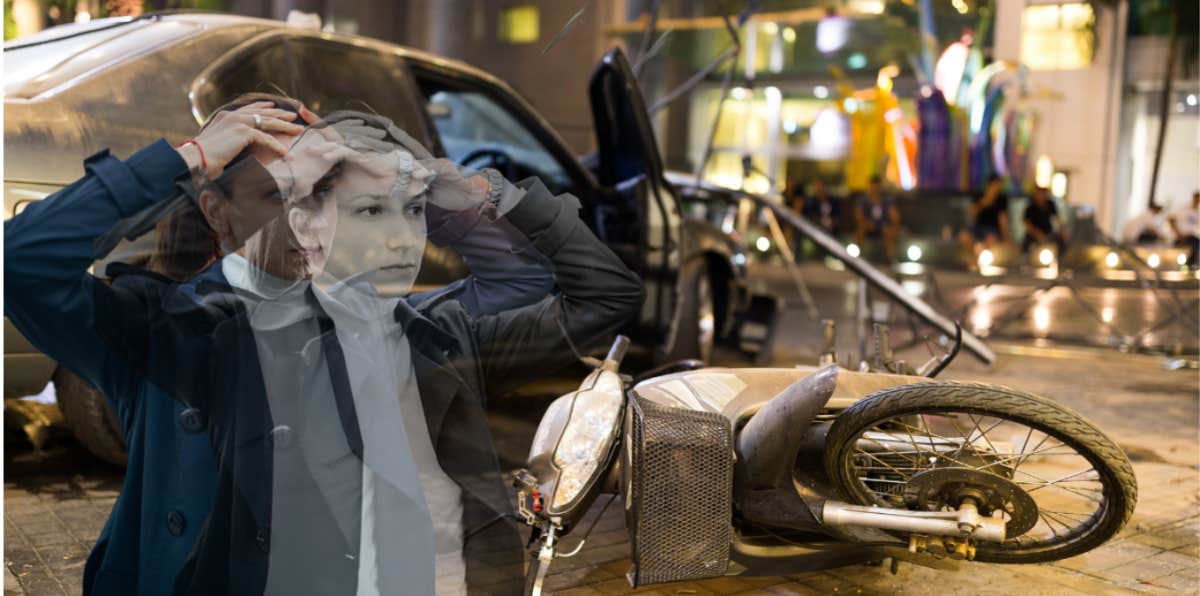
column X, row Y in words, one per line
column 472, row 125
column 263, row 68
column 519, row 24
column 333, row 76
column 1057, row 36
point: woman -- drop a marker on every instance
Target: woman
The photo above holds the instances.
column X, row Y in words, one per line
column 161, row 330
column 170, row 476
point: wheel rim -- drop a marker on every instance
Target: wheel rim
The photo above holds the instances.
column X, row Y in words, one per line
column 1068, row 488
column 706, row 320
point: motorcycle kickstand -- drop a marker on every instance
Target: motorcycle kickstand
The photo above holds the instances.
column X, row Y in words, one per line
column 545, row 556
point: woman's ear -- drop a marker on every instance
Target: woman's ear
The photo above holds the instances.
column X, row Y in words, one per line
column 215, row 208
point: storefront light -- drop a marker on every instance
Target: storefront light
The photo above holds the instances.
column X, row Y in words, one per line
column 1058, row 185
column 770, row 28
column 763, row 244
column 739, row 93
column 1046, row 257
column 853, row 250
column 914, row 253
column 986, row 258
column 832, row 33
column 1153, row 260
column 789, row 35
column 1181, row 259
column 820, row 92
column 856, row 60
column 1043, row 171
column 1191, row 99
column 1111, row 260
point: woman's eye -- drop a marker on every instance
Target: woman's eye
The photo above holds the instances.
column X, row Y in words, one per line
column 371, row 211
column 415, row 209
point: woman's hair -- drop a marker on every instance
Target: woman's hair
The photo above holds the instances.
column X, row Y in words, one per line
column 185, row 243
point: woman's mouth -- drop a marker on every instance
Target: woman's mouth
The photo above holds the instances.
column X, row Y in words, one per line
column 309, row 253
column 398, row 267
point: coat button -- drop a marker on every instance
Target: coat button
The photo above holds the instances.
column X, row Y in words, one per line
column 263, row 539
column 191, row 421
column 176, row 522
column 281, row 436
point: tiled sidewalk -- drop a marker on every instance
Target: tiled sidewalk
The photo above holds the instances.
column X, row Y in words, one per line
column 55, row 508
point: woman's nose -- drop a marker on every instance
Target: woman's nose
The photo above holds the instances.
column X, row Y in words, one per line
column 405, row 237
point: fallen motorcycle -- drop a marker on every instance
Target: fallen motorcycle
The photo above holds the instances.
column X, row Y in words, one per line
column 764, row 471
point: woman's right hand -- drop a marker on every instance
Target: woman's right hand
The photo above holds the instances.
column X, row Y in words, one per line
column 230, row 132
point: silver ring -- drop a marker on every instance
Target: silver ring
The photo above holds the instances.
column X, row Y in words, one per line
column 257, row 121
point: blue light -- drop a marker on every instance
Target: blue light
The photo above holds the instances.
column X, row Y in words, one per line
column 856, row 60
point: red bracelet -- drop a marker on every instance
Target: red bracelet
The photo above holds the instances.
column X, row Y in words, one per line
column 200, row 150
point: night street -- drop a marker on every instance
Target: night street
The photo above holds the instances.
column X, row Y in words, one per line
column 56, row 502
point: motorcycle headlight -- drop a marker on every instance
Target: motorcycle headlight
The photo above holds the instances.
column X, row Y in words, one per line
column 587, row 439
column 573, row 447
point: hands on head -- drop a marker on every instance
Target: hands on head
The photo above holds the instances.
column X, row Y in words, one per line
column 277, row 190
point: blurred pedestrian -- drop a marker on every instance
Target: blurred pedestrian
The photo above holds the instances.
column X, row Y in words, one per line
column 1145, row 229
column 1042, row 223
column 1185, row 223
column 988, row 213
column 821, row 208
column 878, row 219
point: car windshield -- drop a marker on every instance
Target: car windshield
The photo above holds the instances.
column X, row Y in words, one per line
column 54, row 57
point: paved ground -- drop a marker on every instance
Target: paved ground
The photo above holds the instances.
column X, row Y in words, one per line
column 55, row 502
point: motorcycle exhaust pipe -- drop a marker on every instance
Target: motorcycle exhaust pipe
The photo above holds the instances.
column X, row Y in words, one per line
column 949, row 523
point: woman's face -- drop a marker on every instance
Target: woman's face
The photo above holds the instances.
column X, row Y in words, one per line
column 283, row 234
column 381, row 214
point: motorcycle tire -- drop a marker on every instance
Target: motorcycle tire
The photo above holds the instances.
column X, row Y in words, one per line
column 90, row 417
column 695, row 321
column 1114, row 471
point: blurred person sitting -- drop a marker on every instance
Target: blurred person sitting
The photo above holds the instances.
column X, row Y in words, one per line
column 1146, row 229
column 1042, row 222
column 989, row 220
column 821, row 208
column 877, row 218
column 1185, row 223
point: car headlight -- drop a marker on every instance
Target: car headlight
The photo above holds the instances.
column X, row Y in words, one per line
column 587, row 438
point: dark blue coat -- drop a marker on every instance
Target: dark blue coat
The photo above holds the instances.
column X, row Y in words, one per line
column 171, row 475
column 457, row 354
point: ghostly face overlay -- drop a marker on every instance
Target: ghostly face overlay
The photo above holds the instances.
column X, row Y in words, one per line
column 381, row 211
column 249, row 215
column 294, row 242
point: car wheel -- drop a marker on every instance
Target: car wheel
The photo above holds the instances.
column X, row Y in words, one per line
column 695, row 328
column 90, row 417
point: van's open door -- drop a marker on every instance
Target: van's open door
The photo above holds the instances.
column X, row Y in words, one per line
column 641, row 218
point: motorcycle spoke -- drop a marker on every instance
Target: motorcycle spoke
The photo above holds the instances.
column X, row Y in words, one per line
column 887, row 465
column 1067, row 478
column 981, row 433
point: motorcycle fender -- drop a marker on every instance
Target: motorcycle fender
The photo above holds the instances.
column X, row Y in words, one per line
column 767, row 445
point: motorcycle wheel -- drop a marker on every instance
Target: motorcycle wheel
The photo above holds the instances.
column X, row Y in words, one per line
column 1082, row 483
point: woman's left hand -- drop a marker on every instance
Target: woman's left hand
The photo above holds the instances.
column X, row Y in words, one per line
column 452, row 191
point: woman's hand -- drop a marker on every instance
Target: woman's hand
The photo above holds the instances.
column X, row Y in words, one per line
column 230, row 132
column 451, row 191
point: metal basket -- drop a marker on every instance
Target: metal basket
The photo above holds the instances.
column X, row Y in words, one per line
column 677, row 482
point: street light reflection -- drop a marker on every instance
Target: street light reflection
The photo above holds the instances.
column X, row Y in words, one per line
column 1041, row 318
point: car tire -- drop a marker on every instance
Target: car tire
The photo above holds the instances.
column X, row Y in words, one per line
column 90, row 417
column 695, row 328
